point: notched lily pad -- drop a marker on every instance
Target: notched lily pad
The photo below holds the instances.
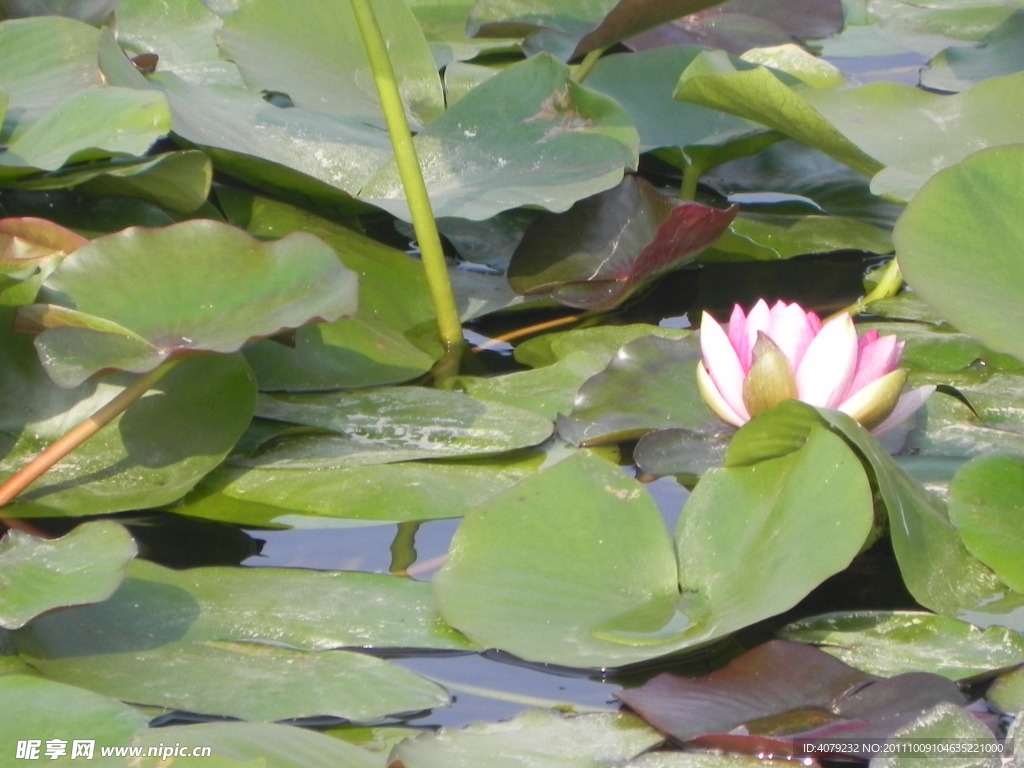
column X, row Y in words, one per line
column 142, row 296
column 600, row 251
column 85, row 566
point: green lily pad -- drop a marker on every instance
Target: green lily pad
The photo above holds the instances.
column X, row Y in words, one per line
column 391, row 337
column 527, row 136
column 888, row 643
column 937, row 569
column 813, row 503
column 231, row 679
column 982, row 295
column 608, row 246
column 1007, row 691
column 945, row 724
column 90, row 125
column 985, row 507
column 181, row 33
column 574, row 27
column 404, row 491
column 641, row 81
column 757, row 94
column 247, row 745
column 539, row 738
column 140, row 297
column 298, row 154
column 178, row 181
column 537, row 576
column 387, row 425
column 957, row 68
column 152, row 454
column 85, row 566
column 650, row 384
column 561, row 363
column 43, row 709
column 301, row 609
column 317, row 58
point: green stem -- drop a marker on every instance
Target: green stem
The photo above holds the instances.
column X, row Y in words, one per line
column 691, row 177
column 64, row 445
column 423, row 223
column 887, row 286
column 580, row 73
column 517, row 698
column 403, row 547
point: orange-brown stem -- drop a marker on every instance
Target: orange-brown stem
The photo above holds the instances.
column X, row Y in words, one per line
column 64, row 445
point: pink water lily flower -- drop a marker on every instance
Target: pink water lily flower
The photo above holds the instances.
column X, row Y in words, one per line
column 784, row 352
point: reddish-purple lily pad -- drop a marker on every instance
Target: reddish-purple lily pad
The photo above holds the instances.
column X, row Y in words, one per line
column 739, row 25
column 780, row 691
column 131, row 300
column 600, row 251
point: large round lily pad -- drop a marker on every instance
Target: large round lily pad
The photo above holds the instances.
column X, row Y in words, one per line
column 133, row 299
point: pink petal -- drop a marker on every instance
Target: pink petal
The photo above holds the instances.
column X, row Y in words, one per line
column 879, row 355
column 722, row 365
column 792, row 330
column 738, row 335
column 714, row 398
column 908, row 403
column 828, row 365
column 759, row 319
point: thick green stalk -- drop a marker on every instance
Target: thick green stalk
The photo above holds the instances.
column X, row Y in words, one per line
column 36, row 468
column 423, row 223
column 580, row 72
column 888, row 285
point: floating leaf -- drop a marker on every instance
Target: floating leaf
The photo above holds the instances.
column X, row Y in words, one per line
column 392, row 336
column 199, row 286
column 937, row 569
column 151, row 455
column 301, row 609
column 604, row 248
column 781, row 690
column 41, row 709
column 539, row 738
column 277, row 50
column 92, row 124
column 706, row 137
column 539, row 577
column 650, row 384
column 950, row 725
column 759, row 95
column 813, row 503
column 739, row 25
column 181, row 33
column 981, row 295
column 387, row 425
column 527, row 136
column 561, row 363
column 957, row 68
column 84, row 566
column 399, row 492
column 178, row 181
column 894, row 642
column 230, row 679
column 574, row 27
column 249, row 744
column 985, row 506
